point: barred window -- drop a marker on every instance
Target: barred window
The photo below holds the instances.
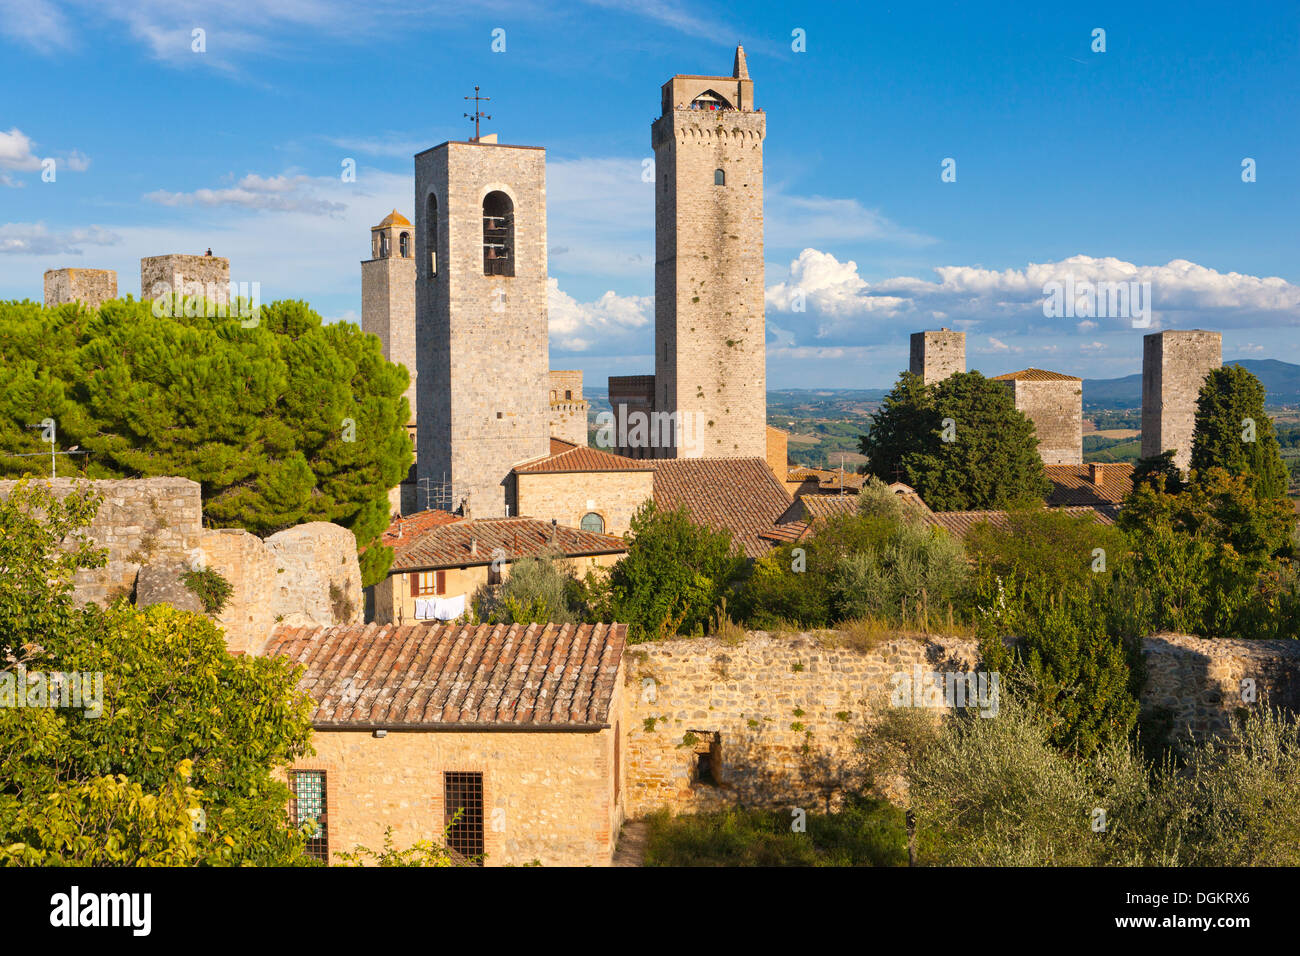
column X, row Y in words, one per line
column 463, row 794
column 308, row 804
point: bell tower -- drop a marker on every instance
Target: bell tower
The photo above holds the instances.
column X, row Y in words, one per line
column 710, row 354
column 388, row 294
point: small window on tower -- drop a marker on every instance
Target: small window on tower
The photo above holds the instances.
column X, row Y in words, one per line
column 383, row 245
column 404, row 244
column 719, row 177
column 498, row 235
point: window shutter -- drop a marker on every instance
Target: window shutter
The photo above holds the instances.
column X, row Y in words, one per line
column 415, row 583
column 440, row 582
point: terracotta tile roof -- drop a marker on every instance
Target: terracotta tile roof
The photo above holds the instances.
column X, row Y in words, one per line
column 1073, row 485
column 559, row 444
column 1036, row 375
column 823, row 507
column 394, row 218
column 453, row 676
column 738, row 494
column 581, row 458
column 790, row 531
column 463, row 543
column 827, row 477
column 403, row 528
column 960, row 523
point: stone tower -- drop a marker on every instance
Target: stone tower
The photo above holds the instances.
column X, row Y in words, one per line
column 92, row 287
column 482, row 353
column 1174, row 366
column 1054, row 403
column 205, row 276
column 710, row 356
column 936, row 355
column 388, row 293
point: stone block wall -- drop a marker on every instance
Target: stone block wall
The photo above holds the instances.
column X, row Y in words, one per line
column 141, row 521
column 567, row 496
column 1196, row 685
column 317, row 577
column 388, row 311
column 552, row 797
column 780, row 714
column 937, row 354
column 93, row 287
column 1056, row 409
column 207, row 276
column 569, row 409
column 1174, row 366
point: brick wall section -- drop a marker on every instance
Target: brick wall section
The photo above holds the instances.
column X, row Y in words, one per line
column 1197, row 683
column 1174, row 366
column 936, row 355
column 1056, row 409
column 747, row 694
column 93, row 287
column 207, row 276
column 149, row 521
column 555, row 791
column 710, row 354
column 480, row 357
column 567, row 496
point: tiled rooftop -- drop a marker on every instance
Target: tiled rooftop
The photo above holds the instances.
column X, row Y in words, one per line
column 565, row 456
column 452, row 676
column 739, row 494
column 1074, row 485
column 471, row 542
column 1036, row 375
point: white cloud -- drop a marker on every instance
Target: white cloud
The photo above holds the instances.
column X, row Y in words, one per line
column 16, row 151
column 38, row 23
column 36, row 239
column 842, row 307
column 605, row 323
column 790, row 220
column 275, row 193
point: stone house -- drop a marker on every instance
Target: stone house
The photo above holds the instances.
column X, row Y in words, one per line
column 583, row 487
column 442, row 559
column 519, row 727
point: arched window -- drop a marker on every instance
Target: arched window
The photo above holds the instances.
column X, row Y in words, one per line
column 374, row 245
column 719, row 177
column 431, row 233
column 404, row 245
column 498, row 235
column 593, row 522
column 384, row 251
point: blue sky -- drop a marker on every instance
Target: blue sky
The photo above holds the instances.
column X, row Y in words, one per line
column 1125, row 163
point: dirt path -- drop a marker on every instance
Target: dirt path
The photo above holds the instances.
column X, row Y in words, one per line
column 631, row 844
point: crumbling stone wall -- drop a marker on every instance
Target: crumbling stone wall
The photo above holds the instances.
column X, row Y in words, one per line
column 93, row 287
column 1194, row 685
column 206, row 276
column 778, row 715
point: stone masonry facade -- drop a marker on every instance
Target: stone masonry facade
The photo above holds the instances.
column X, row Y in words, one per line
column 93, row 287
column 568, row 408
column 937, row 354
column 710, row 354
column 567, row 496
column 308, row 574
column 482, row 345
column 556, row 798
column 1174, row 366
column 780, row 714
column 388, row 300
column 207, row 276
column 1056, row 409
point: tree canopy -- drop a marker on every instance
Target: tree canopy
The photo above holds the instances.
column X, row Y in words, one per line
column 290, row 420
column 961, row 443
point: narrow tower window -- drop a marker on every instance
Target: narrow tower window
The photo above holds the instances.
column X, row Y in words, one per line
column 719, row 177
column 498, row 235
column 404, row 245
column 431, row 233
column 384, row 250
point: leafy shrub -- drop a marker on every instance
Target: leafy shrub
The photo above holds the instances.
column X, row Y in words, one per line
column 212, row 589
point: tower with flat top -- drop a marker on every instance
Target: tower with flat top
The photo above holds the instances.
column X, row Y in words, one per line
column 710, row 356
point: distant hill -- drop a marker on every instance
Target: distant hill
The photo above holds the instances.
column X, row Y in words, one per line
column 1281, row 381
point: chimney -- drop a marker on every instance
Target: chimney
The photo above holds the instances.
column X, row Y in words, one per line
column 464, row 508
column 1095, row 471
column 473, row 545
column 554, row 523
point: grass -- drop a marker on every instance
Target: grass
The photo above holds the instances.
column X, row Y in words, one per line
column 864, row 833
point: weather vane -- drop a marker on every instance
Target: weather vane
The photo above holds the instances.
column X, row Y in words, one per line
column 477, row 114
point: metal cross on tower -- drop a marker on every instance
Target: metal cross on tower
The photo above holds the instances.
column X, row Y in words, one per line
column 477, row 115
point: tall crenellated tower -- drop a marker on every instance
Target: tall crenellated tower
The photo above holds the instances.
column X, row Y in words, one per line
column 482, row 351
column 388, row 293
column 710, row 355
